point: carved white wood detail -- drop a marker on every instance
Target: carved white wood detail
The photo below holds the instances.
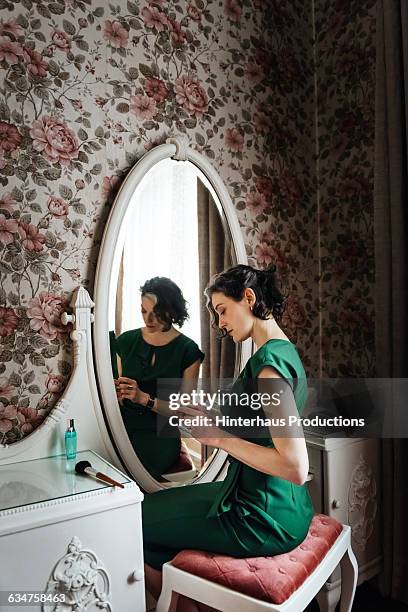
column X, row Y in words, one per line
column 182, row 145
column 362, row 503
column 81, row 577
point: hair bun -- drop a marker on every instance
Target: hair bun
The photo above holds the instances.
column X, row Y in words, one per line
column 270, row 291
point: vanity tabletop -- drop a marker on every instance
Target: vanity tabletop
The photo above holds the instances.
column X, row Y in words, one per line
column 40, row 480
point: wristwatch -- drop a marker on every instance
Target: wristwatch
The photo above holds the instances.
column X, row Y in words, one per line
column 150, row 403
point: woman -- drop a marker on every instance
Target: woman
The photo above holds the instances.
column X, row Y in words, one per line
column 150, row 353
column 262, row 507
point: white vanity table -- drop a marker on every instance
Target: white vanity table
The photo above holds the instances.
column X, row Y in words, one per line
column 70, row 535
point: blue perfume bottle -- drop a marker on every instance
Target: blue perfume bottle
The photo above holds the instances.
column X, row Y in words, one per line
column 71, row 440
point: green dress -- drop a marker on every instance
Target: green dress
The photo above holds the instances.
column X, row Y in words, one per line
column 250, row 513
column 147, row 363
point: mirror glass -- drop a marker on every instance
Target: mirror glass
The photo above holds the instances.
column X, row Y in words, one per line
column 174, row 228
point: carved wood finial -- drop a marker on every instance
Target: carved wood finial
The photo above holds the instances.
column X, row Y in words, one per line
column 182, row 145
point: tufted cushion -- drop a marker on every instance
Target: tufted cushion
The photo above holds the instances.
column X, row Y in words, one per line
column 271, row 579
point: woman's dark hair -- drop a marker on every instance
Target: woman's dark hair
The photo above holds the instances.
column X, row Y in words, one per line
column 233, row 282
column 170, row 306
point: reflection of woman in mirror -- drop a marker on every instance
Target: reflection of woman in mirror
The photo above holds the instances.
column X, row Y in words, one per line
column 263, row 506
column 144, row 355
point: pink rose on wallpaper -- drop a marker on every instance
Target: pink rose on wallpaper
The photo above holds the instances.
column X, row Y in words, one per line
column 290, row 188
column 57, row 206
column 279, row 260
column 256, row 202
column 263, row 57
column 234, row 139
column 178, row 36
column 253, row 72
column 44, row 312
column 116, row 34
column 266, row 236
column 191, row 95
column 264, row 185
column 263, row 254
column 31, row 239
column 6, row 390
column 154, row 18
column 262, row 123
column 55, row 140
column 7, row 229
column 110, row 185
column 233, row 10
column 7, row 414
column 193, row 12
column 55, row 383
column 29, row 419
column 150, row 144
column 10, row 51
column 61, row 40
column 35, row 63
column 10, row 27
column 143, row 107
column 10, row 137
column 294, row 315
column 8, row 321
column 156, row 89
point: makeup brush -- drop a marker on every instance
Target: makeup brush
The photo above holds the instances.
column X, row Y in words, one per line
column 84, row 467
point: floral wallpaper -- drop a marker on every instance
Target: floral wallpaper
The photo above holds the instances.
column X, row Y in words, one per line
column 345, row 64
column 87, row 88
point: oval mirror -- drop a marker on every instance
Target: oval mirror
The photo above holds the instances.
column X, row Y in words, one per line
column 172, row 222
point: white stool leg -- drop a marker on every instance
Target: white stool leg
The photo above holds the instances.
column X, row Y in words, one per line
column 349, row 575
column 328, row 600
column 167, row 601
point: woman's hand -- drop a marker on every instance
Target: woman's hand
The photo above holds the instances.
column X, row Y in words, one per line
column 209, row 434
column 127, row 388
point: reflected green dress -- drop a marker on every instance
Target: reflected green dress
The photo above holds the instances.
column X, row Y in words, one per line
column 250, row 513
column 147, row 363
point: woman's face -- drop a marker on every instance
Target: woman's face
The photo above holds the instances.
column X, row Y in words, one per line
column 235, row 317
column 152, row 322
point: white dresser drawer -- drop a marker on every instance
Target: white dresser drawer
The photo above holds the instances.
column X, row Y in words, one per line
column 86, row 546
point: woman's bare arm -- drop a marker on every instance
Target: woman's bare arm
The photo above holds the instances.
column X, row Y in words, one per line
column 289, row 459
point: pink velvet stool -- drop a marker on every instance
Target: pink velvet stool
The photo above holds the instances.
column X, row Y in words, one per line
column 284, row 583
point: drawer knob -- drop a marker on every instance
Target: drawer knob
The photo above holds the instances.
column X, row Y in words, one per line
column 138, row 575
column 336, row 503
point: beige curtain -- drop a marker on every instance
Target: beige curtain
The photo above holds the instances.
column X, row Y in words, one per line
column 390, row 232
column 214, row 252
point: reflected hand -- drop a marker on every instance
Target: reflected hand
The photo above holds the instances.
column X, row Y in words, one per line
column 127, row 388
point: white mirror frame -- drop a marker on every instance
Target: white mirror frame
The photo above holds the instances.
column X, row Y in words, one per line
column 107, row 271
